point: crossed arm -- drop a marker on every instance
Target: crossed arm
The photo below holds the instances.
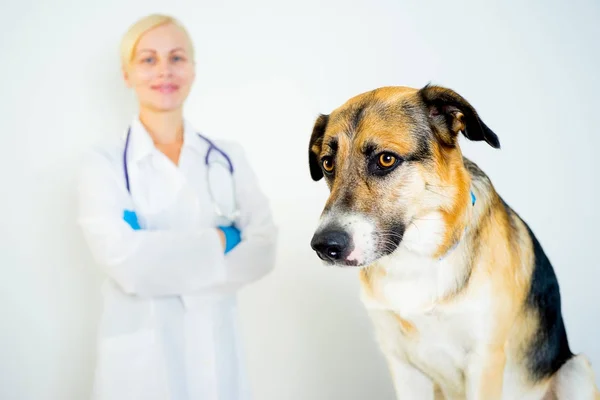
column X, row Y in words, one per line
column 172, row 262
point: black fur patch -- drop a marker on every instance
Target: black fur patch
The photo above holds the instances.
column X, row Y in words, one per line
column 549, row 348
column 391, row 238
column 369, row 149
column 421, row 153
column 316, row 137
column 357, row 116
column 333, row 145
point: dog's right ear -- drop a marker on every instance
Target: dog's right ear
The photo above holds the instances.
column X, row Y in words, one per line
column 314, row 147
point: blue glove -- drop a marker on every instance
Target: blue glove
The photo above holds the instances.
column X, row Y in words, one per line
column 131, row 218
column 232, row 237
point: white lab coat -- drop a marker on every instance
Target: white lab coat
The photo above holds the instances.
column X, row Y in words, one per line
column 169, row 323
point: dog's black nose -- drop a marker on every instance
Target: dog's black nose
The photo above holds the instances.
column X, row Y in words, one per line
column 331, row 245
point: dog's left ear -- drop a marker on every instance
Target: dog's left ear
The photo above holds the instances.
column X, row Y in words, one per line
column 314, row 146
column 450, row 114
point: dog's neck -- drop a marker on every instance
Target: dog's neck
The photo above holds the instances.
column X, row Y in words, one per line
column 455, row 245
column 414, row 262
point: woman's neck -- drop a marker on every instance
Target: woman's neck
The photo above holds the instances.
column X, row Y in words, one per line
column 164, row 127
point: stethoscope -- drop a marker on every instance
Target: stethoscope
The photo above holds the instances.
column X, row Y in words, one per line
column 207, row 161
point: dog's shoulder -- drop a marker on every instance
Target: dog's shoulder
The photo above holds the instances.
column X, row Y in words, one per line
column 548, row 347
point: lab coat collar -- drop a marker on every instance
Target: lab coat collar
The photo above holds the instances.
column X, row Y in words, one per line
column 141, row 144
column 140, row 141
column 192, row 140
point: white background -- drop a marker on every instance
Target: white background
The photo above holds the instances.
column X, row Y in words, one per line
column 265, row 71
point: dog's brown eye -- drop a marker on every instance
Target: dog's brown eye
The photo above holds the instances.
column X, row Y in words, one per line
column 327, row 164
column 386, row 160
column 383, row 163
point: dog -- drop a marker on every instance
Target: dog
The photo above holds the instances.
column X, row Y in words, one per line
column 464, row 302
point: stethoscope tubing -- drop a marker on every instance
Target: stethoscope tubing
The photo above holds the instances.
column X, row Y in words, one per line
column 211, row 147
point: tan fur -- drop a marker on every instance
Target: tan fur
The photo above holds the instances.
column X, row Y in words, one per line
column 472, row 298
column 452, row 174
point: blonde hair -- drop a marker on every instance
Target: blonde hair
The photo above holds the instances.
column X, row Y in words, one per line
column 143, row 25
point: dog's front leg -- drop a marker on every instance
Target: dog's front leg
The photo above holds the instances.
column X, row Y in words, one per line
column 409, row 382
column 484, row 375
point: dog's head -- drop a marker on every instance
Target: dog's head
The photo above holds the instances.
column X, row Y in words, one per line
column 395, row 172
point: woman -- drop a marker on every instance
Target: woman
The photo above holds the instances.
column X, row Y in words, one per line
column 173, row 263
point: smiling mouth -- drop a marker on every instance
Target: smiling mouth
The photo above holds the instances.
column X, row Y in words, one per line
column 166, row 88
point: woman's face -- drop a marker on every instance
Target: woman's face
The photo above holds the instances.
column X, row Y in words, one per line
column 162, row 70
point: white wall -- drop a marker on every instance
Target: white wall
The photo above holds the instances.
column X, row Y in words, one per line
column 266, row 69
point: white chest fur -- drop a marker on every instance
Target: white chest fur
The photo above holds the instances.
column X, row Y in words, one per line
column 415, row 324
